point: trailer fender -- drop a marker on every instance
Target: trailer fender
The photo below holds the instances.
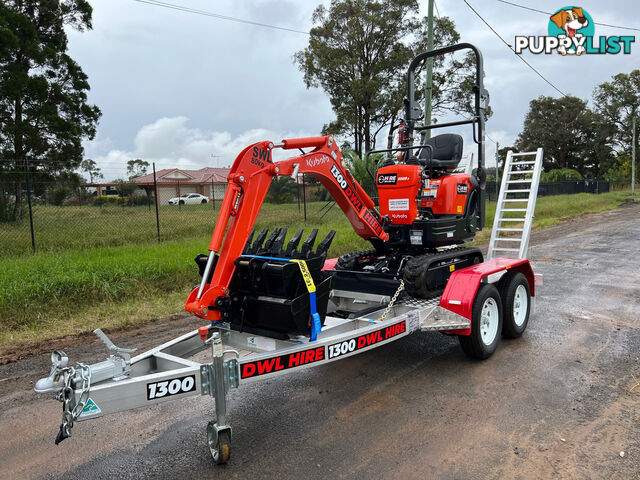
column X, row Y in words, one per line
column 461, row 289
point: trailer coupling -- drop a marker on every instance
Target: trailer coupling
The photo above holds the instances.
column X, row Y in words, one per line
column 64, row 380
column 160, row 374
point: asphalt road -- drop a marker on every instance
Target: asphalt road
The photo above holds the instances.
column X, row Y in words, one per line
column 557, row 403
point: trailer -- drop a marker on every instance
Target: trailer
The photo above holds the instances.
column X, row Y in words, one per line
column 272, row 309
column 167, row 372
column 479, row 304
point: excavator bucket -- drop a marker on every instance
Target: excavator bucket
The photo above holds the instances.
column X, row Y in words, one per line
column 268, row 293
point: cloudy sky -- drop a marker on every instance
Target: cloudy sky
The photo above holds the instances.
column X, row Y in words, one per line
column 189, row 90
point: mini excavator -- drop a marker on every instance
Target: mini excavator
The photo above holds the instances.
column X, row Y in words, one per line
column 267, row 286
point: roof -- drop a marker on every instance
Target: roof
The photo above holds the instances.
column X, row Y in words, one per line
column 173, row 176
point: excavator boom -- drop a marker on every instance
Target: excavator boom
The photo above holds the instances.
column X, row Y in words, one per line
column 248, row 184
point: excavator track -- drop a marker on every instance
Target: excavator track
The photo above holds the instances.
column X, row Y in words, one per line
column 354, row 260
column 425, row 276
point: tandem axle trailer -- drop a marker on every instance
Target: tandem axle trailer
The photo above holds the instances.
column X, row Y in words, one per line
column 480, row 303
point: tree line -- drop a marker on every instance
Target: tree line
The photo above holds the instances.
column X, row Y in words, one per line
column 580, row 141
column 358, row 53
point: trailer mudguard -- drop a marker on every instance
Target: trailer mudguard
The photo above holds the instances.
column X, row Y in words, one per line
column 461, row 289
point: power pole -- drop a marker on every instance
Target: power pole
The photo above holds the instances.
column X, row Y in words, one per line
column 427, row 85
column 497, row 171
column 633, row 156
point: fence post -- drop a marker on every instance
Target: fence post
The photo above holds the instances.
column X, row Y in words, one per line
column 179, row 206
column 213, row 194
column 304, row 198
column 155, row 194
column 26, row 175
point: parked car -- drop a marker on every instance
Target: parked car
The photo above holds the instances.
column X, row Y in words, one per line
column 188, row 199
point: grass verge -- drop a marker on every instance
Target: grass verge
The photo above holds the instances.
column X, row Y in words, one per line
column 51, row 295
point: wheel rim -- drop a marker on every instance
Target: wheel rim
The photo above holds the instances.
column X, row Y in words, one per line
column 520, row 304
column 489, row 320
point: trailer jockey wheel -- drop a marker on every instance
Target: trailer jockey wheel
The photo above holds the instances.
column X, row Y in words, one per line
column 486, row 324
column 219, row 444
column 516, row 304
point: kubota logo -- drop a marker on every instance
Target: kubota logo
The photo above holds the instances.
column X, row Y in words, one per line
column 571, row 31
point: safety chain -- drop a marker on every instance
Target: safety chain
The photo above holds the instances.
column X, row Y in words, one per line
column 69, row 415
column 393, row 301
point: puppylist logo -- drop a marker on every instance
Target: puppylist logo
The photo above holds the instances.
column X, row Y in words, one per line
column 571, row 31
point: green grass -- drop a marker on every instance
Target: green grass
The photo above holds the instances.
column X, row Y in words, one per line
column 51, row 294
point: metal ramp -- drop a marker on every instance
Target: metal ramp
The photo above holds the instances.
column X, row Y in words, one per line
column 516, row 205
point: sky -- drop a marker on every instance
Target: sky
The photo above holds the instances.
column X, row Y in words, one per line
column 188, row 91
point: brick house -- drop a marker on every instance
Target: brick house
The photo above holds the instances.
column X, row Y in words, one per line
column 173, row 182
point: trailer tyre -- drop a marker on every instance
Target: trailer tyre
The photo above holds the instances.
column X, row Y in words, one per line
column 219, row 445
column 516, row 305
column 486, row 324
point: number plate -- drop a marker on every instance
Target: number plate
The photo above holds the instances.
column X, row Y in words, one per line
column 173, row 386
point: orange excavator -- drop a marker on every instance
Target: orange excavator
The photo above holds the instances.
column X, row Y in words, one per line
column 425, row 211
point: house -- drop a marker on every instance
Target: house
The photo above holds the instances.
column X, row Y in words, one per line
column 173, row 182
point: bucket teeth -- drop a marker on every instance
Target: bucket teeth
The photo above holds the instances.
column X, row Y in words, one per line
column 276, row 246
column 269, row 243
column 293, row 244
column 324, row 245
column 307, row 246
column 247, row 246
column 257, row 245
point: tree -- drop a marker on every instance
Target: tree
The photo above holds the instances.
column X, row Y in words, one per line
column 91, row 168
column 282, row 190
column 618, row 102
column 357, row 166
column 136, row 168
column 44, row 114
column 571, row 134
column 560, row 174
column 358, row 53
column 620, row 171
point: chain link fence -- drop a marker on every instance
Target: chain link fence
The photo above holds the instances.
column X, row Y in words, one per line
column 557, row 188
column 38, row 214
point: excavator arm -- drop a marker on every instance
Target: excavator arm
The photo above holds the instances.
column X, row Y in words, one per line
column 248, row 184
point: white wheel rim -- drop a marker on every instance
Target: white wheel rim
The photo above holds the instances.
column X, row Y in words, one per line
column 489, row 319
column 520, row 304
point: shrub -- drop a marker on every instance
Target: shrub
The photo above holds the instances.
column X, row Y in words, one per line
column 58, row 194
column 560, row 174
column 107, row 200
column 620, row 171
column 79, row 198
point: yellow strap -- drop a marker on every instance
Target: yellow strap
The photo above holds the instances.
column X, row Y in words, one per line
column 304, row 270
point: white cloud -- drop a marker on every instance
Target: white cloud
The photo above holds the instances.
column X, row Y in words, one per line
column 172, row 143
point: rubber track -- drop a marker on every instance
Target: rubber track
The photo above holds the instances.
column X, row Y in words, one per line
column 348, row 261
column 414, row 282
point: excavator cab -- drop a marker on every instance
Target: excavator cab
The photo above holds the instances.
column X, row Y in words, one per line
column 425, row 204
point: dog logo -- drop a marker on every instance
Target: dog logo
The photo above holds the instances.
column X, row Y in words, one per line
column 571, row 31
column 570, row 23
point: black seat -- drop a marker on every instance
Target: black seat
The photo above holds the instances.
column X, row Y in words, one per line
column 446, row 153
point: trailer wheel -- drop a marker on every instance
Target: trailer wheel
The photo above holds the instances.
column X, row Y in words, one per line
column 219, row 444
column 516, row 305
column 486, row 324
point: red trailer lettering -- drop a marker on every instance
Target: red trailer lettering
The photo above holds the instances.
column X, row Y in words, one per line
column 248, row 370
column 294, row 359
column 282, row 362
column 265, row 366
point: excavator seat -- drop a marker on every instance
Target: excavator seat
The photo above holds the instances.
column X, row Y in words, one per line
column 445, row 152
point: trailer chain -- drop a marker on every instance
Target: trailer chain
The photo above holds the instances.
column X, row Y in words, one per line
column 69, row 415
column 393, row 301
